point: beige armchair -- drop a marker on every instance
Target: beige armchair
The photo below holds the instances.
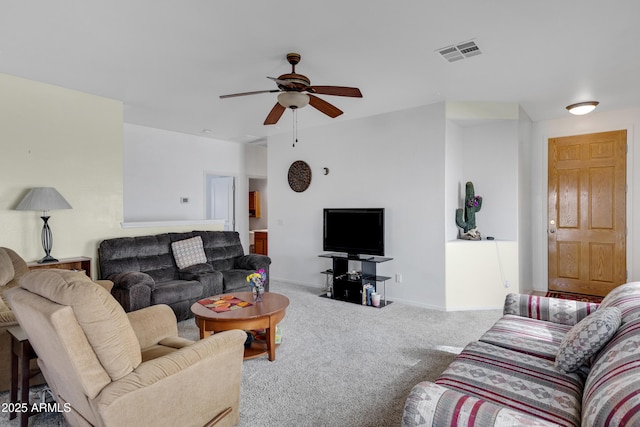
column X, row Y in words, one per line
column 12, row 267
column 118, row 369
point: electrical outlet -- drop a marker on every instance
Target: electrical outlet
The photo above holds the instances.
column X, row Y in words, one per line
column 507, row 284
column 184, row 200
column 398, row 278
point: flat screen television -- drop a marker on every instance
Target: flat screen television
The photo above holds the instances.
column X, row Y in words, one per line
column 358, row 232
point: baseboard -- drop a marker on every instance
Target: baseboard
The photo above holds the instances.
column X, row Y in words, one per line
column 321, row 288
column 417, row 304
column 480, row 308
column 435, row 307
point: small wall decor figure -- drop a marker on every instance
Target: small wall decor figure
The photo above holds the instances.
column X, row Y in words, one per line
column 466, row 218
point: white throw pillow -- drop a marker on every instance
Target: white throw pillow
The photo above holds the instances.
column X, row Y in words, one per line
column 587, row 337
column 189, row 252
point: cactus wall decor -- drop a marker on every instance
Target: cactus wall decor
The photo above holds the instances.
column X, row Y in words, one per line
column 466, row 218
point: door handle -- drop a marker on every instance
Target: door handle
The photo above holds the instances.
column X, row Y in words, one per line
column 552, row 226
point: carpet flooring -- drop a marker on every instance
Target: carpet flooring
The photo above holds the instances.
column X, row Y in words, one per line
column 341, row 364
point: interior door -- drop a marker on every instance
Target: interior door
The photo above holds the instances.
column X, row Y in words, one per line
column 587, row 212
column 221, row 200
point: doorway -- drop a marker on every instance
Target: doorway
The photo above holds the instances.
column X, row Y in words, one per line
column 587, row 212
column 221, row 200
column 259, row 223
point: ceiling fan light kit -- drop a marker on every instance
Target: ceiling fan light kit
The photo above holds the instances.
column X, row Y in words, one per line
column 293, row 100
column 582, row 108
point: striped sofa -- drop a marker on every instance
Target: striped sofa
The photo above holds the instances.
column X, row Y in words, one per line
column 509, row 376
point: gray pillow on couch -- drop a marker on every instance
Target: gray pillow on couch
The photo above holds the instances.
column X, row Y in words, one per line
column 586, row 338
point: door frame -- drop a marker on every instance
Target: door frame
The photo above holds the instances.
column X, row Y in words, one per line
column 579, row 235
column 540, row 277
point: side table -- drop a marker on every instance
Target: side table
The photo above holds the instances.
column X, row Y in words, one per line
column 81, row 263
column 21, row 355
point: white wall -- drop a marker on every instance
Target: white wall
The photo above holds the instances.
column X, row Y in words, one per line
column 394, row 161
column 575, row 125
column 52, row 136
column 524, row 202
column 480, row 273
column 490, row 162
column 256, row 161
column 483, row 147
column 454, row 178
column 56, row 137
column 161, row 167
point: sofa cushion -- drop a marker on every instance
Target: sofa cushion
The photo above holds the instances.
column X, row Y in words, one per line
column 516, row 380
column 197, row 269
column 102, row 319
column 587, row 338
column 611, row 395
column 176, row 290
column 188, row 252
column 526, row 335
column 222, row 264
column 429, row 404
column 6, row 268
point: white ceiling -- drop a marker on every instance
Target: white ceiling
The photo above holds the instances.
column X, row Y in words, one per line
column 169, row 61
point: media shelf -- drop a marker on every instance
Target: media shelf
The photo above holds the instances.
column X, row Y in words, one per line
column 348, row 288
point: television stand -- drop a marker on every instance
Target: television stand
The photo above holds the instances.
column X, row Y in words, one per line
column 358, row 257
column 349, row 288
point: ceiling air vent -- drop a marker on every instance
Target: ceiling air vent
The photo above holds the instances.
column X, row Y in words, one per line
column 460, row 51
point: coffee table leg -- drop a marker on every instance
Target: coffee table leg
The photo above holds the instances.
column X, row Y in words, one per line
column 202, row 325
column 271, row 341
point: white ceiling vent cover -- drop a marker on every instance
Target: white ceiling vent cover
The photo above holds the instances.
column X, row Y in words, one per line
column 460, row 51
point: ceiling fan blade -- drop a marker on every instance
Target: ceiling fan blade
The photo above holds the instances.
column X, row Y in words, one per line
column 274, row 114
column 336, row 90
column 324, row 107
column 248, row 93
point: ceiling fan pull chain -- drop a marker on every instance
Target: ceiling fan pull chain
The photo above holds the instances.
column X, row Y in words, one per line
column 295, row 127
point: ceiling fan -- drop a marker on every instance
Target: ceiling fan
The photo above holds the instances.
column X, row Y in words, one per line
column 296, row 92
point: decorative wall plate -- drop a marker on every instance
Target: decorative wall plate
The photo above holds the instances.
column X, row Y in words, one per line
column 299, row 176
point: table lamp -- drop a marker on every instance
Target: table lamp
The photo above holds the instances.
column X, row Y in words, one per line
column 44, row 199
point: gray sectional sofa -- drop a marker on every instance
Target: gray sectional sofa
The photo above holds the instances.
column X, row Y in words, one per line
column 144, row 270
column 517, row 373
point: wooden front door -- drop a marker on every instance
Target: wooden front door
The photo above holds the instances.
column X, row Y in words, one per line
column 587, row 212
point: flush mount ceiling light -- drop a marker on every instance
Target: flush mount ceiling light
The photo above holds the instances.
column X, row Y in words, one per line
column 582, row 107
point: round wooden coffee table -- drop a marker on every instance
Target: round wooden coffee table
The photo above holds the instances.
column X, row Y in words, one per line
column 261, row 315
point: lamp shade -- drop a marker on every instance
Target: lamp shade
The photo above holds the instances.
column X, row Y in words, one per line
column 43, row 199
